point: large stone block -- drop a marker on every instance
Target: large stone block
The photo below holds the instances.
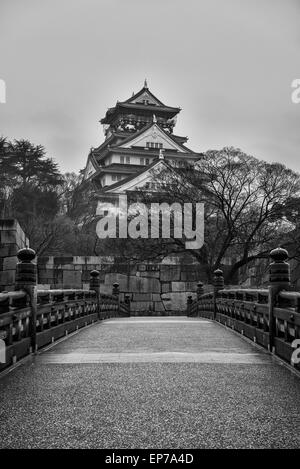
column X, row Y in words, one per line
column 142, row 297
column 191, row 286
column 7, row 250
column 134, row 284
column 175, row 300
column 42, row 260
column 189, row 276
column 156, row 297
column 79, row 260
column 9, row 263
column 169, row 273
column 178, row 286
column 166, row 287
column 68, row 267
column 63, row 260
column 7, row 277
column 159, row 306
column 8, row 224
column 43, row 275
column 141, row 306
column 9, row 237
column 105, row 289
column 105, row 260
column 92, row 260
column 72, row 279
column 58, row 276
column 46, row 262
column 150, row 285
column 148, row 274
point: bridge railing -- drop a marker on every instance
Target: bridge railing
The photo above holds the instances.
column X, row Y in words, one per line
column 31, row 318
column 269, row 317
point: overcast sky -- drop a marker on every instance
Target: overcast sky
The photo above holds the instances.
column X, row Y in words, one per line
column 228, row 64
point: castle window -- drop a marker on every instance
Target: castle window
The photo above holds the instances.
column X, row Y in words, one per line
column 154, row 145
column 116, row 177
column 147, row 160
column 127, row 159
column 122, row 159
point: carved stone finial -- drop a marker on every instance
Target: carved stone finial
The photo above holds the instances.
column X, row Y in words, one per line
column 218, row 273
column 145, row 83
column 279, row 269
column 154, row 120
column 26, row 255
column 94, row 273
column 218, row 279
column 279, row 255
column 94, row 280
column 200, row 289
column 161, row 154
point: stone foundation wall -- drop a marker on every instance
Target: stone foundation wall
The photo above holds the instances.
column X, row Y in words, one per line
column 12, row 238
column 154, row 288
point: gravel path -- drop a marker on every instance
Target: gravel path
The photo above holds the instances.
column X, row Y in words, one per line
column 150, row 403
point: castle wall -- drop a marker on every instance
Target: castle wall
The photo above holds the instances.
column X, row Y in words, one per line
column 12, row 238
column 153, row 288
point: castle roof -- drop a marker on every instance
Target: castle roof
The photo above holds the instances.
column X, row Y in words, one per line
column 140, row 102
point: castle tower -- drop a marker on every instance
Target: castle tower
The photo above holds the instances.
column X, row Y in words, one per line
column 138, row 136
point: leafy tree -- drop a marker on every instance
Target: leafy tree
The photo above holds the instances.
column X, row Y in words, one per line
column 29, row 185
column 28, row 165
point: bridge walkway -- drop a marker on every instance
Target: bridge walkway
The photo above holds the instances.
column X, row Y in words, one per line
column 150, row 382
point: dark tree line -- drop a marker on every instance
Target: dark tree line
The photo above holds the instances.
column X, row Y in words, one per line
column 49, row 205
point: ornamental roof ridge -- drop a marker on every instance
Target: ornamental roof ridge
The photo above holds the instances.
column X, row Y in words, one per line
column 139, row 93
column 148, row 126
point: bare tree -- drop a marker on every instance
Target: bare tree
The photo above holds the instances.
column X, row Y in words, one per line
column 248, row 204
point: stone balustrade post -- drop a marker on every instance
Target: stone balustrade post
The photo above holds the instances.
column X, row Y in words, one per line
column 95, row 286
column 279, row 279
column 200, row 290
column 189, row 304
column 116, row 294
column 127, row 302
column 218, row 282
column 26, row 279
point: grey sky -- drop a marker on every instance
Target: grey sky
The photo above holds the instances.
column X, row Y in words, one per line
column 228, row 63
